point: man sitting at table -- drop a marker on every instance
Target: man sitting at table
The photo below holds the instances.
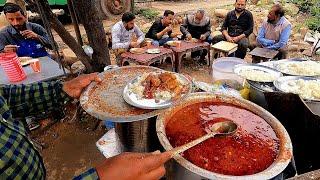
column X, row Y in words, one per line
column 24, row 38
column 161, row 30
column 275, row 32
column 21, row 160
column 197, row 26
column 126, row 34
column 237, row 27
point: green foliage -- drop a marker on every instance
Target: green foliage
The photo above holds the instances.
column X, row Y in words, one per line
column 304, row 5
column 313, row 23
column 147, row 13
column 313, row 8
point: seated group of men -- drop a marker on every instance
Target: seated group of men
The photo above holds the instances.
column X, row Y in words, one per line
column 274, row 33
column 238, row 25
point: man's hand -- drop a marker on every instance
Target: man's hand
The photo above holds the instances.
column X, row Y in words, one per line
column 173, row 35
column 202, row 37
column 75, row 86
column 236, row 39
column 134, row 44
column 128, row 166
column 29, row 34
column 189, row 37
column 10, row 48
column 229, row 39
column 168, row 29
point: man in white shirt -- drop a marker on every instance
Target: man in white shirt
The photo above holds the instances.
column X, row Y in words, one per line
column 125, row 34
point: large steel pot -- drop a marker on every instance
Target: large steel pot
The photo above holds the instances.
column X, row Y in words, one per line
column 281, row 162
column 256, row 93
column 314, row 107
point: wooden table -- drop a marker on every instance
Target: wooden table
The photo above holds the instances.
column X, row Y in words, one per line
column 187, row 47
column 147, row 59
column 49, row 70
column 263, row 54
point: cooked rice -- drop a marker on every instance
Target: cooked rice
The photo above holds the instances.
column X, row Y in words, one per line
column 303, row 68
column 163, row 95
column 257, row 75
column 308, row 89
column 138, row 89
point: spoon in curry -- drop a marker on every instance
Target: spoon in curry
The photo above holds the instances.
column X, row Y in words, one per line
column 223, row 128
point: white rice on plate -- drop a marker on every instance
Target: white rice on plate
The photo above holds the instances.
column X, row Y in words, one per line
column 307, row 89
column 302, row 68
column 137, row 88
column 257, row 75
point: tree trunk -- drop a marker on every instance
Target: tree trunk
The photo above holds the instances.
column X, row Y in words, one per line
column 92, row 22
column 72, row 43
column 63, row 33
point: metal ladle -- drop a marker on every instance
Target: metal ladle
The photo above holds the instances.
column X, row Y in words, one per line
column 223, row 128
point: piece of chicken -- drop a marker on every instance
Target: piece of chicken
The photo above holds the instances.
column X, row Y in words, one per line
column 171, row 84
column 155, row 81
column 164, row 77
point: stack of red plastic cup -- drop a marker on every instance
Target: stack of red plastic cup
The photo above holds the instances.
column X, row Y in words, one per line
column 12, row 67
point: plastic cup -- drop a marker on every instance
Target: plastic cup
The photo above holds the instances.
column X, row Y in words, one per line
column 35, row 65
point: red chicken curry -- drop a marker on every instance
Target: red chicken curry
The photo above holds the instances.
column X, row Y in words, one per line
column 252, row 149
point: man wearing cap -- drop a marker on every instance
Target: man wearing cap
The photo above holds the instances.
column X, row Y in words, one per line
column 24, row 38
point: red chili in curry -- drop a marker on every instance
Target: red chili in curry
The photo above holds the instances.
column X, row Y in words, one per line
column 252, row 149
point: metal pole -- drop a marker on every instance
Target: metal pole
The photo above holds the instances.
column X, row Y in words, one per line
column 75, row 21
column 47, row 26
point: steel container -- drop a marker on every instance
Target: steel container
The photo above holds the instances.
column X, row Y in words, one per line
column 280, row 163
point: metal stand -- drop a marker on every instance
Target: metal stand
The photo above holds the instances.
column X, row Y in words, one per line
column 139, row 136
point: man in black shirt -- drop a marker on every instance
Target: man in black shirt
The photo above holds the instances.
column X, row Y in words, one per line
column 237, row 26
column 161, row 31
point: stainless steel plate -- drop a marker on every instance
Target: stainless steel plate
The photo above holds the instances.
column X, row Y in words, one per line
column 282, row 84
column 105, row 101
column 242, row 67
column 132, row 98
column 282, row 66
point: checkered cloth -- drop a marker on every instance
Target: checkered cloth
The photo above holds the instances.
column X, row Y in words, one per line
column 18, row 157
